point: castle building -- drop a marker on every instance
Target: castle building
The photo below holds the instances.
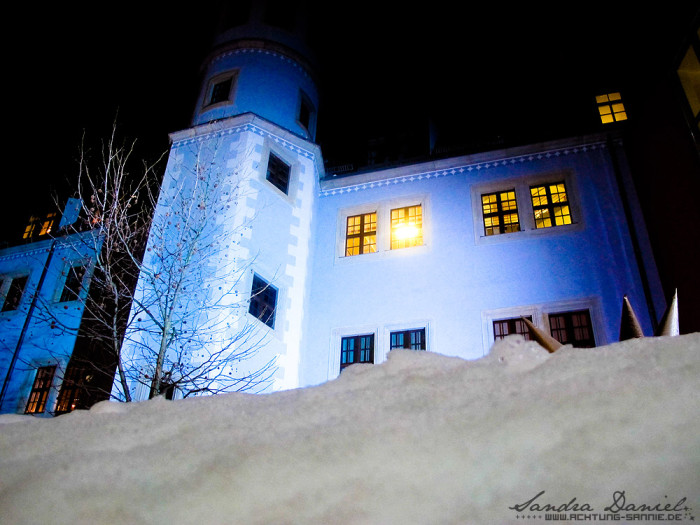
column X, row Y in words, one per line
column 323, row 270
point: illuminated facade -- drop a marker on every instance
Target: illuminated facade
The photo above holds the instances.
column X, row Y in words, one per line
column 43, row 286
column 443, row 256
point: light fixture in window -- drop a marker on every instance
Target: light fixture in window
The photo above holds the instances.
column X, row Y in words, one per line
column 406, row 227
column 611, row 108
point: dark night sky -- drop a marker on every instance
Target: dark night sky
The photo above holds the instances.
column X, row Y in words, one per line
column 523, row 71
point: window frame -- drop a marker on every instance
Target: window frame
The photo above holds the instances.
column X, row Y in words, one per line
column 383, row 210
column 216, row 80
column 255, row 300
column 515, row 324
column 357, row 352
column 305, row 102
column 69, row 271
column 551, row 205
column 407, row 345
column 500, row 213
column 570, row 328
column 522, row 187
column 539, row 313
column 38, row 397
column 6, row 286
column 272, row 172
column 362, row 235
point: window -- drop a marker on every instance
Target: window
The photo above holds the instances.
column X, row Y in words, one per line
column 263, row 300
column 500, row 212
column 72, row 390
column 73, row 284
column 550, row 205
column 356, row 349
column 406, row 227
column 611, row 108
column 361, row 234
column 220, row 89
column 14, row 293
column 38, row 226
column 307, row 113
column 504, row 327
column 40, row 390
column 409, row 339
column 572, row 328
column 278, row 173
column 689, row 76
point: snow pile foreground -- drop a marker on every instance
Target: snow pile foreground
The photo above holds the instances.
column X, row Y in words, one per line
column 420, row 439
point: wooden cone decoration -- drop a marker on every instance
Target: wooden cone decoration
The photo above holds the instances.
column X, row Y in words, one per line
column 545, row 341
column 629, row 324
column 669, row 322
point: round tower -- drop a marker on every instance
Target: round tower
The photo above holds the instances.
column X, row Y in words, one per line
column 260, row 64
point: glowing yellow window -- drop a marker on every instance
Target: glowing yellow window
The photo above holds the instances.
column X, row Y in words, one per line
column 550, row 205
column 406, row 227
column 361, row 234
column 500, row 212
column 611, row 108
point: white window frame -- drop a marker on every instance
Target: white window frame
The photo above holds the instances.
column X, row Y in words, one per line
column 526, row 218
column 287, row 157
column 383, row 210
column 540, row 317
column 217, row 79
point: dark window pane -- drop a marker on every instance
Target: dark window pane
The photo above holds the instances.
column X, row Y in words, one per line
column 263, row 300
column 73, row 284
column 410, row 339
column 14, row 293
column 572, row 328
column 356, row 349
column 504, row 327
column 278, row 173
column 221, row 91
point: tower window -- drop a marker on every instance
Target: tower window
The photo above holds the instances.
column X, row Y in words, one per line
column 13, row 292
column 572, row 328
column 39, row 226
column 73, row 284
column 504, row 327
column 40, row 390
column 361, row 234
column 611, row 108
column 278, row 173
column 263, row 300
column 220, row 89
column 550, row 205
column 500, row 212
column 409, row 339
column 307, row 113
column 356, row 349
column 406, row 227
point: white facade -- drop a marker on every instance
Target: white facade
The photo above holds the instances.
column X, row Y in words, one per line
column 289, row 225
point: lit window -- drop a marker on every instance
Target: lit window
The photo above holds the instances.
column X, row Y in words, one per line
column 37, row 226
column 14, row 293
column 409, row 339
column 278, row 173
column 611, row 108
column 572, row 328
column 500, row 212
column 73, row 284
column 356, row 349
column 219, row 90
column 504, row 327
column 550, row 205
column 689, row 76
column 361, row 234
column 263, row 300
column 73, row 390
column 406, row 227
column 40, row 390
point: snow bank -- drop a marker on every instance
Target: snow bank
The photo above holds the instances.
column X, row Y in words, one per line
column 420, row 439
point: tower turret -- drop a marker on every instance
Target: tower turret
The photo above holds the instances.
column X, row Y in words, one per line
column 260, row 64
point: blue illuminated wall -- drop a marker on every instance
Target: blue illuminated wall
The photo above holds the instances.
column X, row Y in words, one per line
column 42, row 330
column 460, row 280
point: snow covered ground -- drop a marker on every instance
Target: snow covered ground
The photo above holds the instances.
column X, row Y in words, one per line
column 420, row 439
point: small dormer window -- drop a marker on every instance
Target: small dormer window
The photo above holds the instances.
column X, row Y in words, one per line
column 610, row 108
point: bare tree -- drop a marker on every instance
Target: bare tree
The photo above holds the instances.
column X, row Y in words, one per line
column 166, row 301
